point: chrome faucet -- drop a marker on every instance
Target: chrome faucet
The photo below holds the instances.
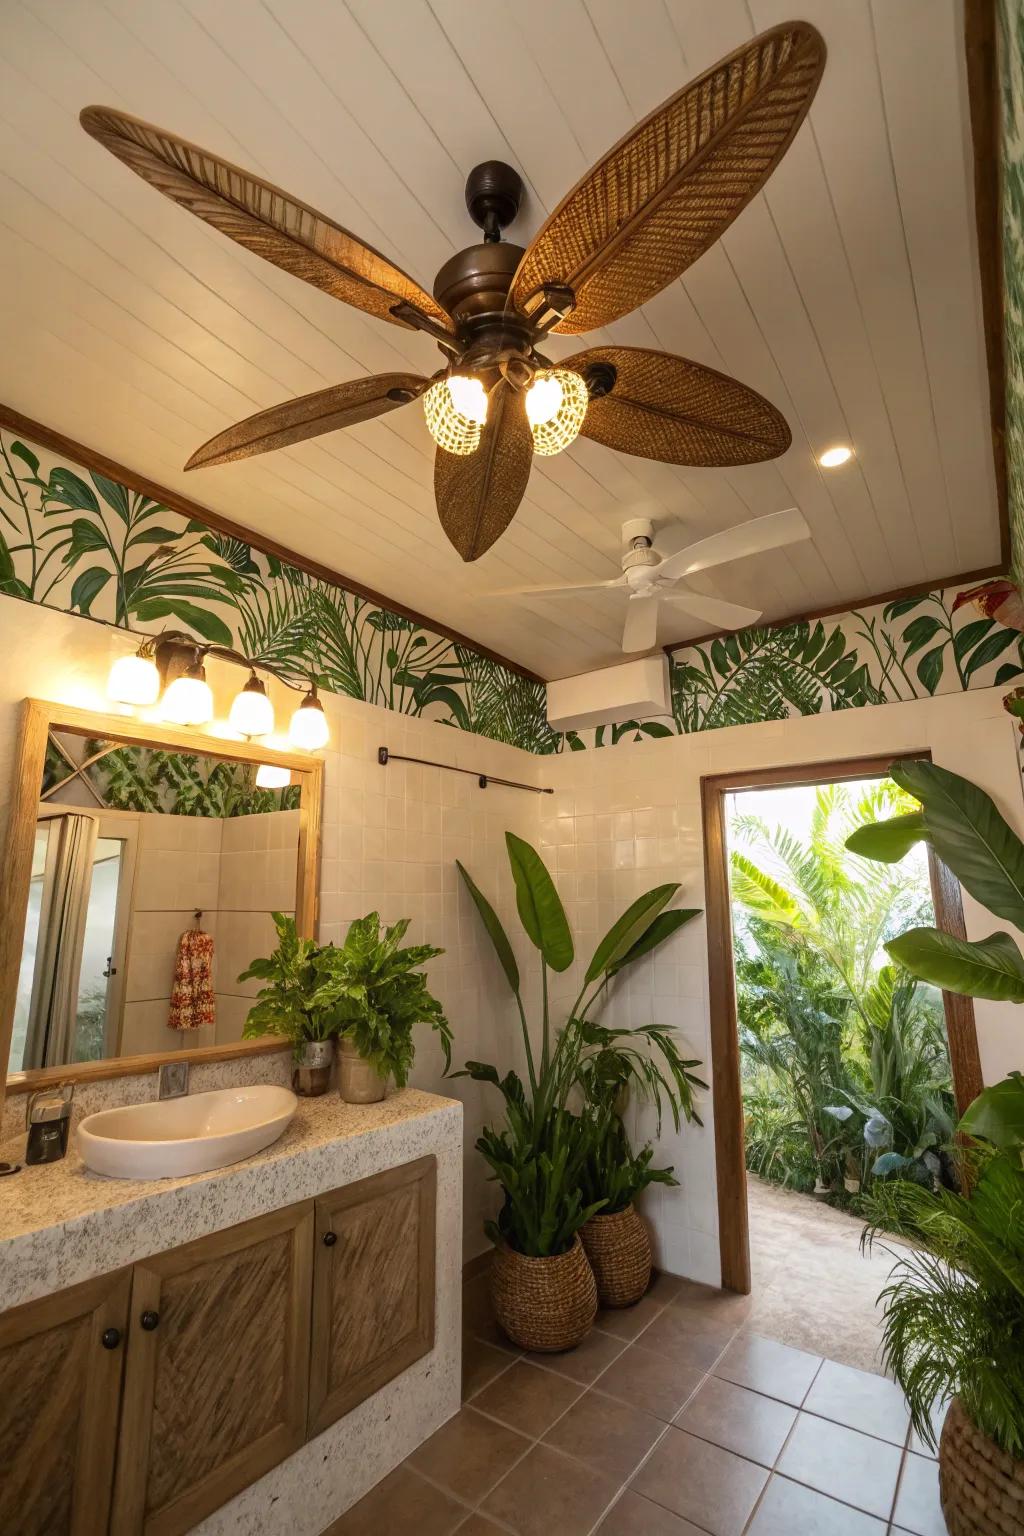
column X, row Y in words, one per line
column 173, row 1080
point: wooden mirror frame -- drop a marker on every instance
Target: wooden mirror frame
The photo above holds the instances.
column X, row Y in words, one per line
column 38, row 719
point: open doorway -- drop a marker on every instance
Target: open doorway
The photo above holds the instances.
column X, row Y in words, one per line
column 832, row 1069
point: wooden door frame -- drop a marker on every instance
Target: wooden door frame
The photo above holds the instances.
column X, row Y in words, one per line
column 730, row 1162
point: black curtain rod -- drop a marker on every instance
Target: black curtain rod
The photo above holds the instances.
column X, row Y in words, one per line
column 384, row 756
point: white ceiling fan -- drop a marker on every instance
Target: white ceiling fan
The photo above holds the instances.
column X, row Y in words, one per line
column 649, row 578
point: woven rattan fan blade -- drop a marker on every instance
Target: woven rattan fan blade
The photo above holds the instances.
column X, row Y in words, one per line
column 666, row 191
column 478, row 494
column 326, row 410
column 665, row 407
column 261, row 217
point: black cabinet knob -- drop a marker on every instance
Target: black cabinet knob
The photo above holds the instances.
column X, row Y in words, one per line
column 149, row 1320
column 110, row 1338
column 330, row 1238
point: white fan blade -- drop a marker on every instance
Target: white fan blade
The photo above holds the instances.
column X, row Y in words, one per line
column 713, row 610
column 641, row 628
column 750, row 538
column 558, row 591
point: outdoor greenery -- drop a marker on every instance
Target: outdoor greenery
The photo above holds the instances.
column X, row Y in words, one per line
column 546, row 1158
column 845, row 1068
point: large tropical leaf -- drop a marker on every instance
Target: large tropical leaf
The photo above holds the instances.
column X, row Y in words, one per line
column 631, row 927
column 540, row 910
column 997, row 1114
column 992, row 967
column 888, row 841
column 662, row 928
column 492, row 923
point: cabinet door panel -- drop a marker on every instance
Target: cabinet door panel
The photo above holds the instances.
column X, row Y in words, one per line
column 373, row 1286
column 216, row 1386
column 59, row 1397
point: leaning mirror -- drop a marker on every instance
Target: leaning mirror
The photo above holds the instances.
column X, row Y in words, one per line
column 145, row 872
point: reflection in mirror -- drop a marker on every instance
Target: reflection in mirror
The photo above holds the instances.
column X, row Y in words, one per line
column 154, row 874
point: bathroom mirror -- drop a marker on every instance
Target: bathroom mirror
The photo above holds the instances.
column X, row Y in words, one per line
column 143, row 864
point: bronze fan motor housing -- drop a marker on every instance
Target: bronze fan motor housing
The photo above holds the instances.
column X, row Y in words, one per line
column 635, row 222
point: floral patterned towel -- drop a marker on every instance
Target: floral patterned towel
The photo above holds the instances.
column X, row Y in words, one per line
column 192, row 1004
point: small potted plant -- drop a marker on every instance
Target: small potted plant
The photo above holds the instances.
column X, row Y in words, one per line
column 615, row 1238
column 290, row 1004
column 376, row 994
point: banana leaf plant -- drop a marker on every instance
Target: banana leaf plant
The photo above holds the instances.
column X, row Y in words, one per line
column 537, row 1157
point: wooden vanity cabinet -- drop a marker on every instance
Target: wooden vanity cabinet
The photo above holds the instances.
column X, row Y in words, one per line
column 373, row 1286
column 60, row 1385
column 217, row 1370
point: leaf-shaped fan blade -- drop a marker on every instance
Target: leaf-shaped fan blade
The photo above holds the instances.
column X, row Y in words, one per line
column 755, row 537
column 343, row 405
column 666, row 192
column 714, row 610
column 261, row 217
column 640, row 631
column 479, row 493
column 665, row 407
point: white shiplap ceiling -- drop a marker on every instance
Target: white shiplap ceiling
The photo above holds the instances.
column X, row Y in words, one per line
column 847, row 292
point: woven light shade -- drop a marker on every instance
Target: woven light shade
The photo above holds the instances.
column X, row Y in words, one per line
column 563, row 427
column 450, row 428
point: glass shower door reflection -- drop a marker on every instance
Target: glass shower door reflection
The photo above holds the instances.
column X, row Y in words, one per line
column 95, row 1016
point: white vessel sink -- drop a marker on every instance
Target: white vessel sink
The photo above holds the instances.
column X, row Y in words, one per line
column 172, row 1137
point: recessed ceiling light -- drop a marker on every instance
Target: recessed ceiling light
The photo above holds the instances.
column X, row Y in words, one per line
column 833, row 457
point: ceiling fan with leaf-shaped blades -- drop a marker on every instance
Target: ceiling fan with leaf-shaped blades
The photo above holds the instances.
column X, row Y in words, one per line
column 650, row 577
column 660, row 198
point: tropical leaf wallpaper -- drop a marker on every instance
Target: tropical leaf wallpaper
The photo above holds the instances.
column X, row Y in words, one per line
column 1011, row 52
column 75, row 540
column 131, row 778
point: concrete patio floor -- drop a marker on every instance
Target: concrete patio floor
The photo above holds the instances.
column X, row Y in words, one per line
column 811, row 1285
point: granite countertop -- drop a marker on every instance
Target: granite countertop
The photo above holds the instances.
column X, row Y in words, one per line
column 60, row 1223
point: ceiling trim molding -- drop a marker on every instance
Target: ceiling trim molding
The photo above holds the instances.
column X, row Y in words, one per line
column 37, row 432
column 982, row 59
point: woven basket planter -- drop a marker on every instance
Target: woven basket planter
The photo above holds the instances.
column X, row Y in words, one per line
column 982, row 1488
column 544, row 1304
column 619, row 1251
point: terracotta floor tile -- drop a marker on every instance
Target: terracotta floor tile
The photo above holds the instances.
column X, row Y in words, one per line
column 608, row 1435
column 478, row 1525
column 789, row 1509
column 586, row 1361
column 842, row 1463
column 687, row 1338
column 917, row 1501
column 528, row 1398
column 548, row 1494
column 860, row 1400
column 480, row 1364
column 764, row 1366
column 650, row 1381
column 713, row 1303
column 403, row 1505
column 634, row 1516
column 738, row 1420
column 629, row 1322
column 665, row 1287
column 469, row 1454
column 710, row 1487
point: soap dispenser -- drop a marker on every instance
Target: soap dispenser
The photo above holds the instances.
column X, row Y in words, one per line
column 49, row 1123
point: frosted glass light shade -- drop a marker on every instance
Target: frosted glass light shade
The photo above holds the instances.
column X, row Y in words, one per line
column 456, row 409
column 134, row 680
column 189, row 699
column 556, row 404
column 252, row 713
column 270, row 776
column 309, row 729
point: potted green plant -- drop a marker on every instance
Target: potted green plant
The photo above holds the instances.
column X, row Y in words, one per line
column 615, row 1237
column 376, row 994
column 542, row 1286
column 291, row 1004
column 954, row 1314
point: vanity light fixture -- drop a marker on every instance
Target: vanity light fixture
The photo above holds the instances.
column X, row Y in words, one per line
column 135, row 679
column 270, row 776
column 252, row 713
column 840, row 453
column 308, row 728
column 188, row 700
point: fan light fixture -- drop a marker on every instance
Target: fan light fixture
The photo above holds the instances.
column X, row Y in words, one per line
column 456, row 409
column 270, row 776
column 189, row 698
column 252, row 713
column 308, row 728
column 556, row 403
column 833, row 457
column 134, row 679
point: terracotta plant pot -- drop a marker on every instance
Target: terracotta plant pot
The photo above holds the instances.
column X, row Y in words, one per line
column 619, row 1251
column 981, row 1487
column 547, row 1305
column 312, row 1072
column 358, row 1081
